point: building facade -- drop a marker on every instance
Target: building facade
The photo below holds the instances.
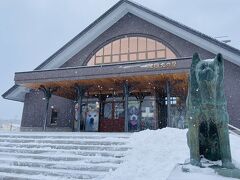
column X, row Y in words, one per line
column 127, row 71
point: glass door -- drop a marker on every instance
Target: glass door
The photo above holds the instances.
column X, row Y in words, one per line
column 113, row 119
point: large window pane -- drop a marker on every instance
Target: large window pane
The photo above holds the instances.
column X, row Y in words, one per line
column 160, row 46
column 142, row 44
column 124, row 57
column 134, row 115
column 91, row 61
column 151, row 55
column 119, row 110
column 133, row 57
column 99, row 60
column 115, row 58
column 107, row 59
column 108, row 111
column 116, row 47
column 124, row 45
column 170, row 54
column 107, row 49
column 91, row 111
column 150, row 45
column 142, row 56
column 100, row 52
column 148, row 118
column 133, row 44
column 161, row 54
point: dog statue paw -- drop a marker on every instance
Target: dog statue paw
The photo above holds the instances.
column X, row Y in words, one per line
column 228, row 165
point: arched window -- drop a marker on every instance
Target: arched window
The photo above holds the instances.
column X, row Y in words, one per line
column 131, row 49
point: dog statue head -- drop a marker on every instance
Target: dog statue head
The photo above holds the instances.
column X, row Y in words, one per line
column 206, row 76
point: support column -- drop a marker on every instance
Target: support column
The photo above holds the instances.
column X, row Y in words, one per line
column 47, row 95
column 162, row 110
column 126, row 95
column 157, row 107
column 140, row 97
column 169, row 123
column 102, row 98
column 80, row 90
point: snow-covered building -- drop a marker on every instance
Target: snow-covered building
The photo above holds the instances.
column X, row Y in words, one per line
column 128, row 70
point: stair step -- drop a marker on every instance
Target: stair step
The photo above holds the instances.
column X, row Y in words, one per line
column 64, row 147
column 64, row 158
column 32, row 171
column 80, row 153
column 53, row 165
column 14, row 176
column 62, row 141
column 80, row 136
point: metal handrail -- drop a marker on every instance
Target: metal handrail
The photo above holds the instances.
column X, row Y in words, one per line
column 235, row 128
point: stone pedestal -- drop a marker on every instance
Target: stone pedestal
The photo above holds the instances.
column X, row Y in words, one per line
column 209, row 170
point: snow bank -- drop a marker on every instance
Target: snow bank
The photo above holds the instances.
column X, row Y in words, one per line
column 155, row 154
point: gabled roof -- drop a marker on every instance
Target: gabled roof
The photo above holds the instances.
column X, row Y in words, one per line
column 110, row 17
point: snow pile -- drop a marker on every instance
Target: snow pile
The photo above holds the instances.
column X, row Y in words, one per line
column 154, row 154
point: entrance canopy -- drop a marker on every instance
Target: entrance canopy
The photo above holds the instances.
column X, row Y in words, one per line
column 104, row 79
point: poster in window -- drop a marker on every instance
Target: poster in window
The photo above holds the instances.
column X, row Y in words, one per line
column 133, row 120
column 92, row 117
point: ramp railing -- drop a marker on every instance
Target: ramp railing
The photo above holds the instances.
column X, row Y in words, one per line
column 234, row 129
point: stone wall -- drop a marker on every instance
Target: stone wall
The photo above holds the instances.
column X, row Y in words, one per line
column 34, row 112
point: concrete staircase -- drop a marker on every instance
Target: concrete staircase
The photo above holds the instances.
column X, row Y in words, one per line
column 58, row 155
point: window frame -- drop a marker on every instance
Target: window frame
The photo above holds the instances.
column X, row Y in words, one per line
column 160, row 51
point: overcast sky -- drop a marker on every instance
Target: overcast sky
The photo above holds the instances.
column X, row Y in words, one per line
column 31, row 30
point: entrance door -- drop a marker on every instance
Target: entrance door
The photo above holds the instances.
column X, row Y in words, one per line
column 113, row 119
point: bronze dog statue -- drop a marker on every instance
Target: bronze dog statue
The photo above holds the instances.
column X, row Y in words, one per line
column 207, row 115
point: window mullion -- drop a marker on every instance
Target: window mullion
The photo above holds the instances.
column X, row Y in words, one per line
column 146, row 54
column 128, row 49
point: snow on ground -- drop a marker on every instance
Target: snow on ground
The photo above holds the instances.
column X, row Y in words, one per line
column 155, row 153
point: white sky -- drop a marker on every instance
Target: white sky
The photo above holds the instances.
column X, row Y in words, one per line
column 31, row 31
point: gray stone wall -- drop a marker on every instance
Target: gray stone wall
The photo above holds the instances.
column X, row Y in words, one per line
column 34, row 112
column 232, row 91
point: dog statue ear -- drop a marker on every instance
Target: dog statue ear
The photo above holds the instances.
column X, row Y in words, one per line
column 218, row 59
column 195, row 59
column 193, row 93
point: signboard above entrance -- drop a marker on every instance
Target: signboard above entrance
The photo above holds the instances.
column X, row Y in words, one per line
column 154, row 65
column 161, row 65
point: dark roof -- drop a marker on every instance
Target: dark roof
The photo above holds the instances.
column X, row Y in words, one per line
column 10, row 90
